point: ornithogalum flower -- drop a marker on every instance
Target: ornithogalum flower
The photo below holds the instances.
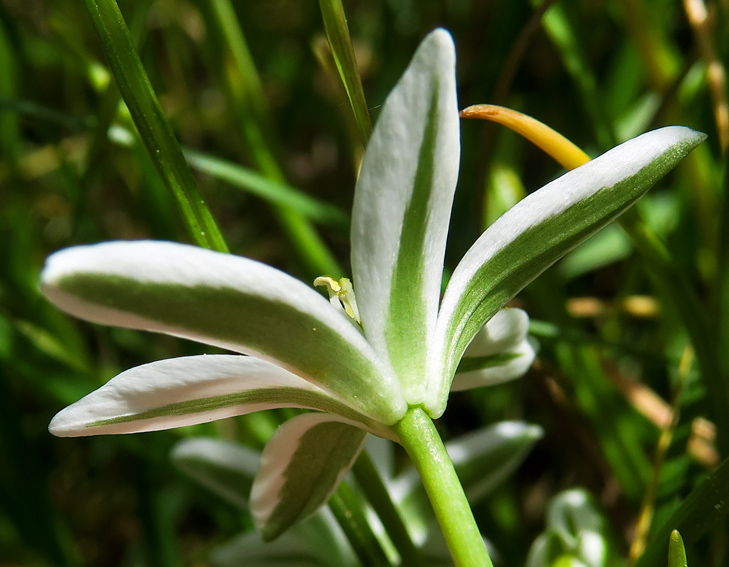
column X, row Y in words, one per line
column 304, row 352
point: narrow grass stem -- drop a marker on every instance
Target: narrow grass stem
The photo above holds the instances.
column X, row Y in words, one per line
column 370, row 481
column 421, row 440
column 346, row 509
column 154, row 130
column 335, row 25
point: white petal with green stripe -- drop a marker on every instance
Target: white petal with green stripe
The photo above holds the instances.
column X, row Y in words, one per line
column 539, row 230
column 402, row 206
column 190, row 390
column 226, row 301
column 301, row 466
column 500, row 351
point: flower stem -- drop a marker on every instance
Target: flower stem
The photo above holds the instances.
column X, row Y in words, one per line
column 421, row 440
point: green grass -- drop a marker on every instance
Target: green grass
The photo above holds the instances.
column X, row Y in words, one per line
column 252, row 94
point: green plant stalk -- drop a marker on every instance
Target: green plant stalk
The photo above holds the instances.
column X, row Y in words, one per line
column 151, row 123
column 243, row 86
column 335, row 26
column 421, row 440
column 376, row 492
column 346, row 509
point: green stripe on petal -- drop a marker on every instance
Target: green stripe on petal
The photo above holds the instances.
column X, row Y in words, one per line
column 539, row 230
column 190, row 390
column 226, row 301
column 401, row 211
column 301, row 466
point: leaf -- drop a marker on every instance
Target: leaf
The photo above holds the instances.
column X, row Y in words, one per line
column 705, row 507
column 226, row 469
column 225, row 301
column 335, row 25
column 274, row 192
column 499, row 352
column 154, row 129
column 401, row 210
column 190, row 390
column 539, row 230
column 676, row 551
column 248, row 549
column 301, row 466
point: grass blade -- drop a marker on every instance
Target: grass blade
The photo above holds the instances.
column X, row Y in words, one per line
column 155, row 131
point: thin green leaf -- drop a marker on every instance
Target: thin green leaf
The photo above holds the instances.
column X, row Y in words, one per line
column 704, row 508
column 335, row 25
column 225, row 301
column 248, row 102
column 151, row 123
column 226, row 469
column 301, row 466
column 542, row 228
column 676, row 551
column 248, row 549
column 401, row 211
column 273, row 192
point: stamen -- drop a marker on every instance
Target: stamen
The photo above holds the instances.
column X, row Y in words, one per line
column 341, row 295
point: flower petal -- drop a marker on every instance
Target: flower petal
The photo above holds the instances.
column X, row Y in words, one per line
column 500, row 351
column 402, row 206
column 226, row 301
column 539, row 230
column 189, row 390
column 301, row 466
column 493, row 369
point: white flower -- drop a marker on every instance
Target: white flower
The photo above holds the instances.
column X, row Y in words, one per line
column 306, row 353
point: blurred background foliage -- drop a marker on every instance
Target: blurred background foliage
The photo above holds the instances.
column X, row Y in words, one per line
column 633, row 372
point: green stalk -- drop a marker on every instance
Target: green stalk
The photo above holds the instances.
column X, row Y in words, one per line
column 421, row 440
column 243, row 87
column 346, row 509
column 376, row 492
column 151, row 123
column 340, row 42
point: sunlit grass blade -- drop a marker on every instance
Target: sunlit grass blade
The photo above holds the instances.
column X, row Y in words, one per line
column 153, row 127
column 559, row 28
column 225, row 468
column 247, row 100
column 276, row 193
column 335, row 25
